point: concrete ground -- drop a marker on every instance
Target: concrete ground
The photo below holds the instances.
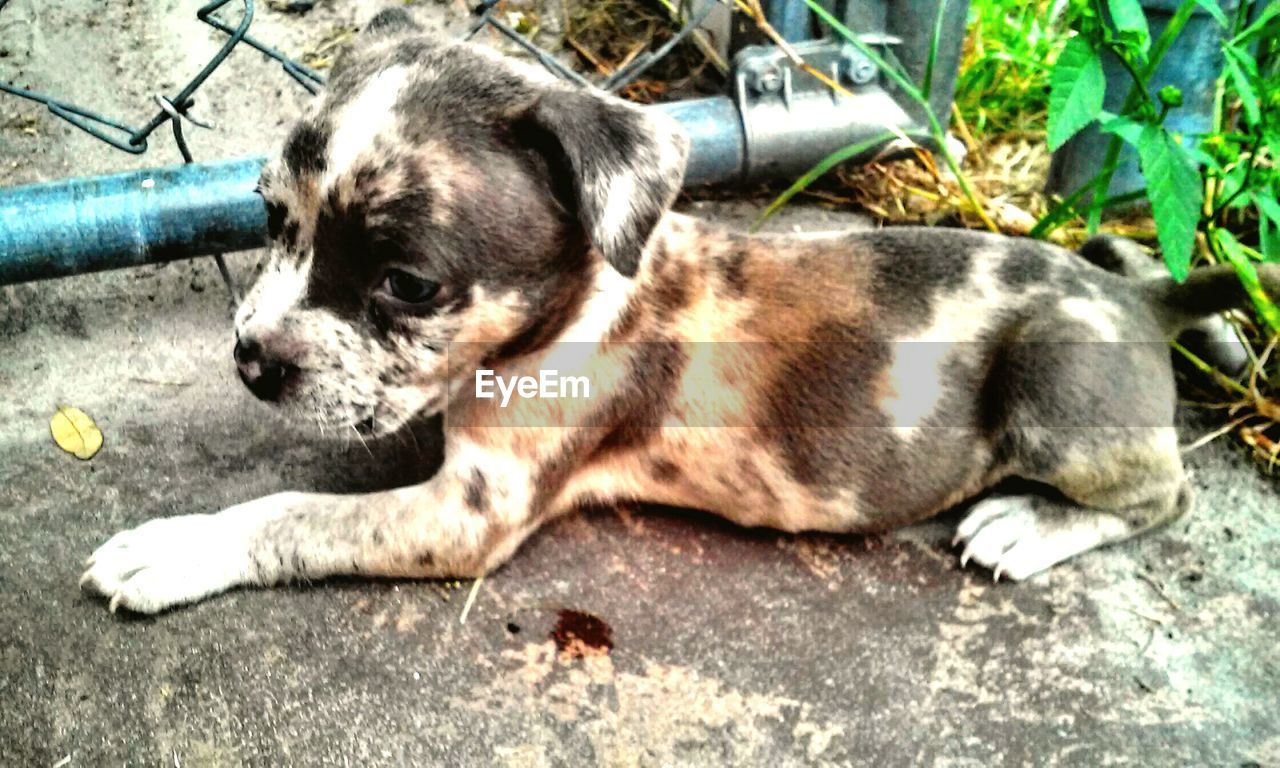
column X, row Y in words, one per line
column 702, row 644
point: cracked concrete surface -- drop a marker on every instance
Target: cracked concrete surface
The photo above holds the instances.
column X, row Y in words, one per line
column 732, row 646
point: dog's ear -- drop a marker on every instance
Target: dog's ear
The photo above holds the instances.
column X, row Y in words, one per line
column 391, row 21
column 624, row 166
column 388, row 23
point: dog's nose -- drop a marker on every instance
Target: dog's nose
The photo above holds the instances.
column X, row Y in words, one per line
column 263, row 376
column 246, row 351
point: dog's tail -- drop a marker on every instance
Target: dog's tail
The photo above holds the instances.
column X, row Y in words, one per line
column 1207, row 291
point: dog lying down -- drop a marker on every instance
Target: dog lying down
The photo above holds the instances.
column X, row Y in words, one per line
column 444, row 214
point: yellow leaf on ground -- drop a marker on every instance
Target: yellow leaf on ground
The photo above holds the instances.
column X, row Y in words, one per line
column 75, row 432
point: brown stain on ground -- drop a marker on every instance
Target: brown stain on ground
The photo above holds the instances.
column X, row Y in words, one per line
column 578, row 634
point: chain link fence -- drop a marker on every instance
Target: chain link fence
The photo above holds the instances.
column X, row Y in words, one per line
column 175, row 109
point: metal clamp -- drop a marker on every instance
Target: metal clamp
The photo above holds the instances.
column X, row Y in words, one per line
column 774, row 97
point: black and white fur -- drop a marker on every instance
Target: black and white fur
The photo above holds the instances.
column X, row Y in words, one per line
column 443, row 209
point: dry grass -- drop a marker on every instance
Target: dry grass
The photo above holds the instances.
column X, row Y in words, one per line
column 321, row 54
column 607, row 35
column 1008, row 174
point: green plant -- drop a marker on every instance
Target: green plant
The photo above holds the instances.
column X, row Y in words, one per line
column 1003, row 84
column 1239, row 180
column 918, row 94
column 1240, row 163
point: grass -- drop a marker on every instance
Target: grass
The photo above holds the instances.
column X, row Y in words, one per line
column 1003, row 84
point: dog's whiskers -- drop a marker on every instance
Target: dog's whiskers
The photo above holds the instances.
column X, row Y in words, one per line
column 360, row 437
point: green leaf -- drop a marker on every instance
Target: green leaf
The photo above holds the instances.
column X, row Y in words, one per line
column 1076, row 88
column 1267, row 204
column 1170, row 33
column 1126, row 128
column 1212, row 8
column 1176, row 195
column 1235, row 254
column 1204, row 159
column 926, row 85
column 1240, row 65
column 1268, row 224
column 1268, row 241
column 1259, row 24
column 1128, row 16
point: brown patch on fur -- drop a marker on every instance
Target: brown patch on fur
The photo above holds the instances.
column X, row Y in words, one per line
column 658, row 254
column 476, row 492
column 749, row 475
column 622, row 438
column 791, row 303
column 670, row 291
column 672, row 281
column 627, row 421
column 819, row 388
column 664, row 471
column 731, row 271
column 645, row 396
column 452, row 180
column 485, row 325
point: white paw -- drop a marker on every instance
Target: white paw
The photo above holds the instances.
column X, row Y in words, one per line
column 1020, row 536
column 170, row 561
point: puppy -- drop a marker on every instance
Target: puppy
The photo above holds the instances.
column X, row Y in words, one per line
column 445, row 218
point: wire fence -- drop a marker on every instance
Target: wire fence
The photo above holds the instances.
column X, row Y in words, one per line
column 176, row 110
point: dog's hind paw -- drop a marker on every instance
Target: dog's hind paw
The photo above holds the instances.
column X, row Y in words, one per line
column 1020, row 536
column 167, row 562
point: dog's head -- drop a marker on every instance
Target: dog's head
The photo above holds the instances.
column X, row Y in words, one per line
column 439, row 208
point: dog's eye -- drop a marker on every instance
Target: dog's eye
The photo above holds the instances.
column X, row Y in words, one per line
column 409, row 288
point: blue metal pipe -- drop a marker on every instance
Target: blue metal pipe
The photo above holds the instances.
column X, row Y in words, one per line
column 106, row 222
column 717, row 142
column 84, row 225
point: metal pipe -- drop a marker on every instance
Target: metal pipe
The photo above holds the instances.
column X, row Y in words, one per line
column 717, row 143
column 106, row 222
column 89, row 224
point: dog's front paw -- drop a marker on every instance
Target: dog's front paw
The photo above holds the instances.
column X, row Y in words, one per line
column 168, row 562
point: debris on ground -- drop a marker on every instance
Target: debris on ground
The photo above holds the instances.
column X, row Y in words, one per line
column 75, row 432
column 578, row 634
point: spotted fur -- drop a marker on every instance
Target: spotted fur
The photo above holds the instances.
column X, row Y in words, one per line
column 835, row 382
